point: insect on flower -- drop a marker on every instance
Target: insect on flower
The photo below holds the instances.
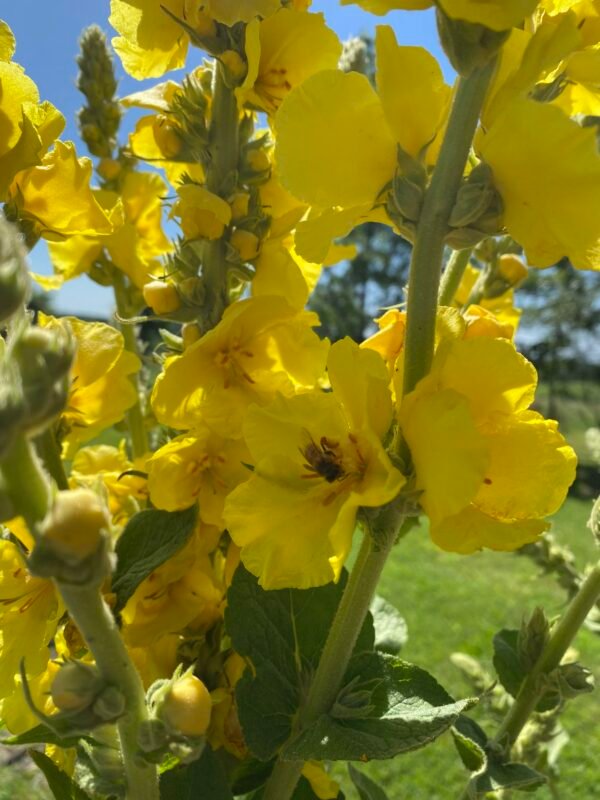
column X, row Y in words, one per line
column 323, row 460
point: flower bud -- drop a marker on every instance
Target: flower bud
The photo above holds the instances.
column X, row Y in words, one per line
column 234, row 65
column 14, row 277
column 512, row 269
column 240, row 204
column 109, row 168
column 74, row 524
column 246, row 243
column 75, row 686
column 469, row 46
column 162, row 297
column 186, row 706
column 167, row 137
column 190, row 333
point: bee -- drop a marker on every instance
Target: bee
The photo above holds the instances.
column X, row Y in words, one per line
column 323, row 460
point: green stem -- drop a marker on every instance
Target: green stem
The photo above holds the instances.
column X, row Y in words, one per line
column 558, row 644
column 25, row 482
column 348, row 621
column 97, row 626
column 439, row 200
column 421, row 317
column 452, row 276
column 135, row 414
column 223, row 145
column 532, row 688
column 48, row 449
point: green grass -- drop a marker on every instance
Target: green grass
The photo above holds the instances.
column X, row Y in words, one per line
column 456, row 603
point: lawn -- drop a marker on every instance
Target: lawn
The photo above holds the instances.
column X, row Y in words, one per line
column 454, row 603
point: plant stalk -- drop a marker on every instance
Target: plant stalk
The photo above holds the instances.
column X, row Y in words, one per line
column 425, row 273
column 94, row 620
column 452, row 275
column 135, row 414
column 48, row 450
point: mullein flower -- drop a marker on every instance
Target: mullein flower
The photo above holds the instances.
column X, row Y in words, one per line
column 489, row 469
column 261, row 346
column 319, row 458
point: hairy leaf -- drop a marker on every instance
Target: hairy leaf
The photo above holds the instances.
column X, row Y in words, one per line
column 149, row 539
column 409, row 709
column 59, row 783
column 391, row 633
column 203, row 779
column 367, row 789
column 282, row 634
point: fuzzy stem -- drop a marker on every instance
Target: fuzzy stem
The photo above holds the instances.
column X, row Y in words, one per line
column 452, row 276
column 97, row 626
column 532, row 688
column 48, row 449
column 223, row 144
column 428, row 252
column 135, row 414
column 25, row 482
column 425, row 273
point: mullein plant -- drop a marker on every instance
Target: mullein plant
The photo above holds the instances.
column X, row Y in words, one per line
column 176, row 610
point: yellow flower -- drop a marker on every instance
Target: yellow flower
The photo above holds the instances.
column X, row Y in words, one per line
column 489, row 469
column 225, row 729
column 28, row 126
column 547, row 170
column 502, row 307
column 184, row 593
column 201, row 213
column 101, row 390
column 16, row 715
column 337, row 138
column 137, row 240
column 496, row 14
column 318, row 458
column 126, row 492
column 324, row 787
column 30, row 610
column 201, row 467
column 57, row 197
column 282, row 51
column 261, row 346
column 151, row 42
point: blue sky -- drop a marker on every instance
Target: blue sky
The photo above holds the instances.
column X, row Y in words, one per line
column 47, row 34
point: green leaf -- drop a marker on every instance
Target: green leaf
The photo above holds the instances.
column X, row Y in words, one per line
column 42, row 734
column 59, row 783
column 507, row 776
column 250, row 774
column 409, row 709
column 203, row 779
column 366, row 788
column 391, row 633
column 149, row 539
column 471, row 742
column 507, row 662
column 282, row 633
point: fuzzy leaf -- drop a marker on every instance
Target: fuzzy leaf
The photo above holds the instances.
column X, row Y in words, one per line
column 59, row 783
column 203, row 779
column 391, row 633
column 506, row 660
column 409, row 710
column 42, row 734
column 149, row 539
column 470, row 741
column 282, row 633
column 367, row 789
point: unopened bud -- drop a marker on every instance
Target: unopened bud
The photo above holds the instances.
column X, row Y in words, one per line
column 186, row 706
column 76, row 686
column 190, row 333
column 109, row 168
column 162, row 297
column 574, row 679
column 110, row 704
column 74, row 524
column 407, row 198
column 240, row 204
column 469, row 46
column 14, row 278
column 235, row 66
column 167, row 137
column 532, row 638
column 512, row 269
column 246, row 243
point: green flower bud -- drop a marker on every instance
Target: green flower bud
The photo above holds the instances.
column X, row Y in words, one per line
column 99, row 119
column 110, row 704
column 14, row 277
column 76, row 686
column 532, row 638
column 574, row 679
column 468, row 45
